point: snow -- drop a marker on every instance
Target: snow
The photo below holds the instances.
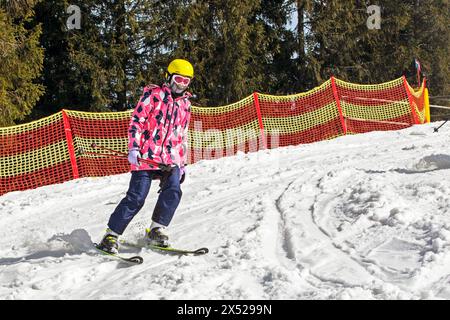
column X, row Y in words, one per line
column 358, row 217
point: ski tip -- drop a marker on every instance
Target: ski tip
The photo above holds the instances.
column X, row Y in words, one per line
column 136, row 260
column 201, row 251
column 132, row 260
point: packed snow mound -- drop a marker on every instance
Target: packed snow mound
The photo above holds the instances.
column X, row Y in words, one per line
column 357, row 217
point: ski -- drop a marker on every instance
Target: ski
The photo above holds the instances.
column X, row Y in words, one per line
column 130, row 260
column 197, row 252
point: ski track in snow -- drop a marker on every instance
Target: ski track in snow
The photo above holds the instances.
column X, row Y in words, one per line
column 357, row 217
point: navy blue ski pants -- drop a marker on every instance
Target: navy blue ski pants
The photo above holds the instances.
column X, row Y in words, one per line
column 140, row 182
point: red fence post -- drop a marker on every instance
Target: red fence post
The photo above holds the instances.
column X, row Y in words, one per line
column 338, row 103
column 69, row 138
column 261, row 125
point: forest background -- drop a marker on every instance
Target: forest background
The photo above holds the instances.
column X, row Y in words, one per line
column 97, row 55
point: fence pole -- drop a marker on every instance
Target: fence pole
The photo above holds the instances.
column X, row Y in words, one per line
column 338, row 103
column 261, row 125
column 69, row 139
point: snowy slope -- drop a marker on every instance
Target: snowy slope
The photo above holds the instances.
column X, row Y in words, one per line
column 358, row 217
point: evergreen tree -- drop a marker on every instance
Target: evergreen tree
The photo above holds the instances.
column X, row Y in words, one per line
column 432, row 43
column 337, row 41
column 21, row 61
column 237, row 47
column 102, row 54
column 340, row 43
column 283, row 69
column 58, row 74
column 409, row 30
column 103, row 65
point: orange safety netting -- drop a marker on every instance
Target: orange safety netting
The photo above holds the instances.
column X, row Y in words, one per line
column 59, row 148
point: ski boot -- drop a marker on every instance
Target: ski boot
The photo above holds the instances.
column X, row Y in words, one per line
column 110, row 243
column 155, row 237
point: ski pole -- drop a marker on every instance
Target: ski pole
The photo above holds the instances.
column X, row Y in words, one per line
column 437, row 129
column 94, row 145
column 82, row 151
column 119, row 154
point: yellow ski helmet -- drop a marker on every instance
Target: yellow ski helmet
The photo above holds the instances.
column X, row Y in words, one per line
column 181, row 67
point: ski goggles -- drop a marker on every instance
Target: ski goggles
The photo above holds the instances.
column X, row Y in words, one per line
column 180, row 80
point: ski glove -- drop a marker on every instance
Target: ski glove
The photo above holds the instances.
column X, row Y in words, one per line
column 133, row 157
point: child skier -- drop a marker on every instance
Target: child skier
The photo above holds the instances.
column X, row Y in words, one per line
column 158, row 131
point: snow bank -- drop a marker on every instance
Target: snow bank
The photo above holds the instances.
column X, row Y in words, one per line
column 358, row 217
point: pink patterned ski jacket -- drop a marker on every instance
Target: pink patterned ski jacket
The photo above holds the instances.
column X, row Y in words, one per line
column 158, row 127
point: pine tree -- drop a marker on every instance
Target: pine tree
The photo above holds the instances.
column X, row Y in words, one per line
column 21, row 61
column 112, row 54
column 340, row 43
column 226, row 42
column 282, row 69
column 236, row 47
column 337, row 41
column 58, row 70
column 120, row 47
column 432, row 42
column 409, row 30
